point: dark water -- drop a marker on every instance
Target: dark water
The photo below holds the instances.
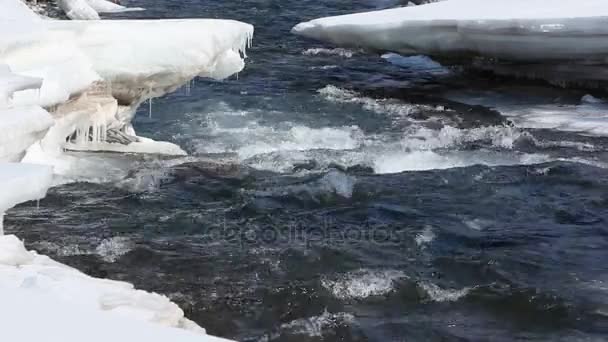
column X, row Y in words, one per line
column 376, row 209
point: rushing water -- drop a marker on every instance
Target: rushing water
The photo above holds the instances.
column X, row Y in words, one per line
column 339, row 196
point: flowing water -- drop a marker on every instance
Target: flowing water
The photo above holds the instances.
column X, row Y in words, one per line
column 333, row 195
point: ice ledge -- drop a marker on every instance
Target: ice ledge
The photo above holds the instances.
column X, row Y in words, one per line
column 559, row 33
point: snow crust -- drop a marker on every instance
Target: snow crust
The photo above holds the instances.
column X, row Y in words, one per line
column 531, row 30
column 45, row 300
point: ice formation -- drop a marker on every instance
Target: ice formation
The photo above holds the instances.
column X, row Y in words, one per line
column 90, row 9
column 76, row 85
column 522, row 31
column 94, row 74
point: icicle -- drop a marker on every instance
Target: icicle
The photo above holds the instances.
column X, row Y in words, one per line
column 150, row 108
column 188, row 87
column 37, row 204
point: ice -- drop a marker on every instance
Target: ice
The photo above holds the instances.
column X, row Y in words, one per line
column 90, row 9
column 45, row 300
column 103, row 6
column 91, row 77
column 590, row 117
column 78, row 10
column 11, row 83
column 20, row 183
column 21, row 127
column 530, row 30
column 95, row 74
column 157, row 56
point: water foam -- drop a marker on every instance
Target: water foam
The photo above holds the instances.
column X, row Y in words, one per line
column 363, row 283
column 110, row 250
column 437, row 294
column 425, row 237
column 332, row 52
column 315, row 325
column 392, row 107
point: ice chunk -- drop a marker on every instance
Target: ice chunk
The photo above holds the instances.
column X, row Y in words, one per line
column 531, row 30
column 78, row 10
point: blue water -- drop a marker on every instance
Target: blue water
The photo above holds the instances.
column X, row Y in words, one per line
column 335, row 195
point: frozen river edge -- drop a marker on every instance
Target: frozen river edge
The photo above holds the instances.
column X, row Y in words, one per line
column 64, row 86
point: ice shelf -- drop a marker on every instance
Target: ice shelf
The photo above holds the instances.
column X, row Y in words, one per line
column 555, row 34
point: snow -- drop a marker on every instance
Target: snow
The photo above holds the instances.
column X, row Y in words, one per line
column 68, row 84
column 21, row 127
column 91, row 77
column 43, row 300
column 78, row 10
column 90, row 9
column 530, row 30
column 96, row 73
column 20, row 183
column 103, row 6
column 11, row 83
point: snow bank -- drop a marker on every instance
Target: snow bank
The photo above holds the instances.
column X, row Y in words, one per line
column 521, row 30
column 45, row 300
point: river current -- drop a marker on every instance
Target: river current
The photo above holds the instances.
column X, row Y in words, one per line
column 335, row 195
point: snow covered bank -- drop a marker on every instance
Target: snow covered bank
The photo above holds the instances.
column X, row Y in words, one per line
column 45, row 300
column 528, row 31
column 76, row 85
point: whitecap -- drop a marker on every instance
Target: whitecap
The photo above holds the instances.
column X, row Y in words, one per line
column 425, row 237
column 437, row 294
column 314, row 326
column 332, row 52
column 113, row 248
column 363, row 283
